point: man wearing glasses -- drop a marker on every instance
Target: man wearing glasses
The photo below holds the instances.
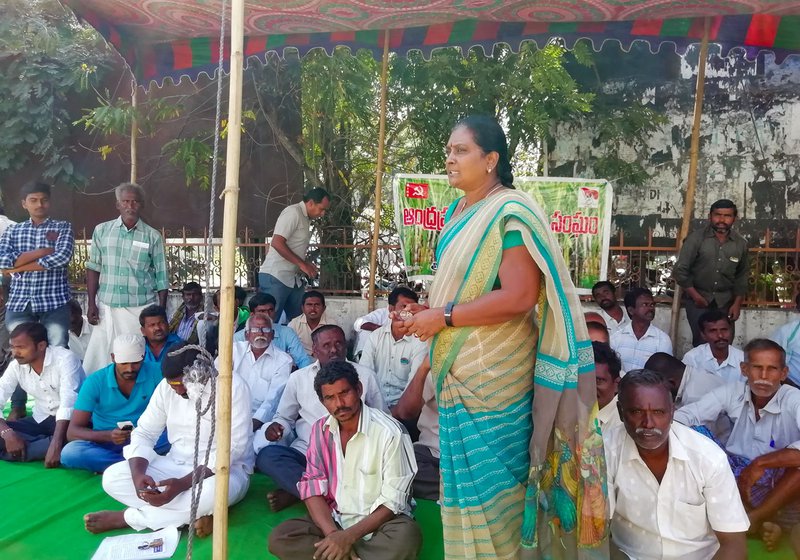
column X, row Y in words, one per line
column 262, row 366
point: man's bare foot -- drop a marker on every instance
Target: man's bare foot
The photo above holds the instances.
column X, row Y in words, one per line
column 17, row 413
column 280, row 499
column 204, row 526
column 771, row 535
column 102, row 521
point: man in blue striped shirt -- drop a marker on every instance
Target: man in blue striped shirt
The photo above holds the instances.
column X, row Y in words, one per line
column 36, row 253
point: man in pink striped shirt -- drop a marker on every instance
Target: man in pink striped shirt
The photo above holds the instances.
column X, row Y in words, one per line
column 357, row 483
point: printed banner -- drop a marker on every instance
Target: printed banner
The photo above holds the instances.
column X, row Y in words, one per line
column 579, row 211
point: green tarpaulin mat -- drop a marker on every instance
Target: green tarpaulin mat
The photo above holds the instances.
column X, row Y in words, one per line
column 43, row 519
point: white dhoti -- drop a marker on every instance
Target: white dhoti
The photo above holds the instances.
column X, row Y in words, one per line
column 114, row 321
column 140, row 515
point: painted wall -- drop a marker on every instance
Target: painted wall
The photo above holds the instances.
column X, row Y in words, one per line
column 750, row 142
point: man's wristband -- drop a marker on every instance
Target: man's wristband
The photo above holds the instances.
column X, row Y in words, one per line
column 448, row 313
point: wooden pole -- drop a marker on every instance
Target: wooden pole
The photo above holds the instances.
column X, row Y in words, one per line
column 228, row 311
column 134, row 131
column 373, row 256
column 694, row 153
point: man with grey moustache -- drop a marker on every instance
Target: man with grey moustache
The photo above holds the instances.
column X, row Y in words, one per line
column 764, row 444
column 671, row 492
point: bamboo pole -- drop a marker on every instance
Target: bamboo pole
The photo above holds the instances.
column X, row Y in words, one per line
column 694, row 153
column 373, row 256
column 134, row 131
column 228, row 312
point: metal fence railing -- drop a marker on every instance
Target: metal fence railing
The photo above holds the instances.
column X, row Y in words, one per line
column 774, row 271
column 342, row 255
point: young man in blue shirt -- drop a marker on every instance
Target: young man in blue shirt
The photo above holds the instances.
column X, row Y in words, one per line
column 155, row 329
column 109, row 399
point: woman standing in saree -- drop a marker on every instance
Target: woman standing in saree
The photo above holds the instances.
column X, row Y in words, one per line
column 522, row 463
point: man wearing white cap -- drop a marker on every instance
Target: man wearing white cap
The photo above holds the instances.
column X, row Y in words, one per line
column 157, row 490
column 109, row 405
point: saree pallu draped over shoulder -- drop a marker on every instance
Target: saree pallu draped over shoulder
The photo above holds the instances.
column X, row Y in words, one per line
column 523, row 470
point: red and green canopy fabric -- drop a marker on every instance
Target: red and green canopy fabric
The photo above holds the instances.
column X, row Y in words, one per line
column 175, row 38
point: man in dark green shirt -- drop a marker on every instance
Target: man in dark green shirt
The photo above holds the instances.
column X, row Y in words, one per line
column 712, row 268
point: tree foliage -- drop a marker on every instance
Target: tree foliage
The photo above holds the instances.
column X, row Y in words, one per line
column 530, row 92
column 47, row 59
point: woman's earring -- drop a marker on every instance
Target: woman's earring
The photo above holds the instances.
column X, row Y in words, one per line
column 488, row 170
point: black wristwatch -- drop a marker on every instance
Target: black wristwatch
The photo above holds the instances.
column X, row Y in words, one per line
column 448, row 313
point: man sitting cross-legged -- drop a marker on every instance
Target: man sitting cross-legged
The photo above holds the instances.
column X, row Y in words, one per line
column 156, row 489
column 357, row 483
column 112, row 396
column 265, row 368
column 671, row 492
column 764, row 445
column 298, row 409
column 52, row 375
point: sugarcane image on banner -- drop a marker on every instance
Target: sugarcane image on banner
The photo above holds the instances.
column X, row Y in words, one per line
column 579, row 212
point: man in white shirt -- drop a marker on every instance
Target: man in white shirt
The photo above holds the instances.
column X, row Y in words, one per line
column 604, row 294
column 366, row 324
column 636, row 341
column 80, row 329
column 52, row 375
column 283, row 337
column 788, row 336
column 716, row 356
column 418, row 404
column 392, row 354
column 764, row 444
column 298, row 409
column 671, row 491
column 312, row 318
column 263, row 367
column 157, row 489
column 357, row 483
column 280, row 274
column 607, row 368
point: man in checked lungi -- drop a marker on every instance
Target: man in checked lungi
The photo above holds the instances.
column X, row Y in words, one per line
column 764, row 445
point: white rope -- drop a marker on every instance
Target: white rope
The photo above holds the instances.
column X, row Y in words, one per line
column 202, row 371
column 215, row 156
column 200, row 374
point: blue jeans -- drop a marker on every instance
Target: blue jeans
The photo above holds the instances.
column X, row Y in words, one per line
column 37, row 437
column 56, row 321
column 97, row 457
column 288, row 299
column 283, row 465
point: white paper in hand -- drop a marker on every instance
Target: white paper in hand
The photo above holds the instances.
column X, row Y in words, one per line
column 160, row 544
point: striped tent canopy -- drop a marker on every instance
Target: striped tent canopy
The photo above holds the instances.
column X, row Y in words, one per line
column 174, row 38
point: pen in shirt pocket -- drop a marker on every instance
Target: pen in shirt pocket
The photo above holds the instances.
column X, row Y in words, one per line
column 772, row 443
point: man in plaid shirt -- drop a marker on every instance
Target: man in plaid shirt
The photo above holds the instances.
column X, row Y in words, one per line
column 126, row 270
column 35, row 253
